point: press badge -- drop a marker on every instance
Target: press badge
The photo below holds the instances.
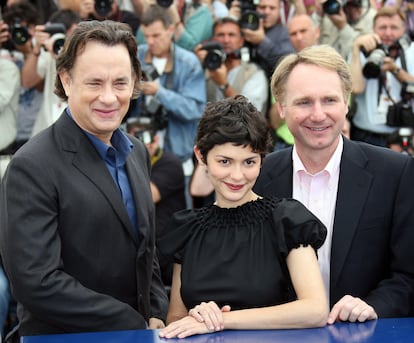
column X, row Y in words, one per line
column 381, row 116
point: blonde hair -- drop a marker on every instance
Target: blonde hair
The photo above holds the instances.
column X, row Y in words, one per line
column 323, row 56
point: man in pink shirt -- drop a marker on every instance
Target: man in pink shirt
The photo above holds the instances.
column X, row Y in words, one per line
column 362, row 193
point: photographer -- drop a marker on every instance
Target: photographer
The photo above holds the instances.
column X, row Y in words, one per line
column 40, row 66
column 167, row 182
column 192, row 22
column 9, row 100
column 108, row 9
column 341, row 21
column 227, row 71
column 177, row 89
column 22, row 18
column 270, row 40
column 387, row 48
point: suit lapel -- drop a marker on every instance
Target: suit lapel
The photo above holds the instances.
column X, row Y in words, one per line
column 87, row 160
column 278, row 175
column 351, row 197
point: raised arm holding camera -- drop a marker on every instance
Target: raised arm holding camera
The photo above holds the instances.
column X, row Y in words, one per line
column 341, row 21
column 40, row 64
column 229, row 71
column 382, row 66
column 22, row 18
column 263, row 31
column 108, row 9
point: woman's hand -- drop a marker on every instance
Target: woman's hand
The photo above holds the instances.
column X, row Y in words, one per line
column 184, row 327
column 210, row 314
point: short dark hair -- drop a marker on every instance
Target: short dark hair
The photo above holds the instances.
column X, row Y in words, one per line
column 155, row 12
column 107, row 32
column 226, row 20
column 67, row 17
column 232, row 120
column 21, row 11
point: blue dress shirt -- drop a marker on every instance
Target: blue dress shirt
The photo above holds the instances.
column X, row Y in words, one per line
column 115, row 157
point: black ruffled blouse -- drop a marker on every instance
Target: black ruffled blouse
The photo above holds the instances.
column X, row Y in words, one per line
column 237, row 256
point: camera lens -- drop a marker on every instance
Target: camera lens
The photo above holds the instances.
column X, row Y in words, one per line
column 103, row 7
column 58, row 40
column 372, row 68
column 213, row 59
column 164, row 3
column 19, row 35
column 331, row 7
column 250, row 20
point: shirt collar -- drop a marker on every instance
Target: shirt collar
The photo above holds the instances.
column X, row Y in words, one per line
column 120, row 143
column 332, row 166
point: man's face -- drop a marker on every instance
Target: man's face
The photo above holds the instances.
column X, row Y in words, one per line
column 158, row 38
column 99, row 88
column 314, row 108
column 353, row 11
column 389, row 29
column 302, row 32
column 270, row 9
column 229, row 35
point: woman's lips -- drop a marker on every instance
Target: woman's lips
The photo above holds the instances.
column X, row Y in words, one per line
column 234, row 187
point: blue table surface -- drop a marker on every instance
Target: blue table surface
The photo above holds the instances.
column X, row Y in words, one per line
column 390, row 330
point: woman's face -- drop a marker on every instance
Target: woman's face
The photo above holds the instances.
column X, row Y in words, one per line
column 233, row 171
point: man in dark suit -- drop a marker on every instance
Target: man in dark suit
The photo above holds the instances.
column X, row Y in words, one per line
column 77, row 218
column 363, row 194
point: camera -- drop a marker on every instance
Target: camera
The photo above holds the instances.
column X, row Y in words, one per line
column 149, row 73
column 58, row 36
column 401, row 114
column 153, row 110
column 103, row 7
column 331, row 7
column 249, row 18
column 19, row 34
column 372, row 67
column 402, row 137
column 143, row 128
column 164, row 3
column 215, row 55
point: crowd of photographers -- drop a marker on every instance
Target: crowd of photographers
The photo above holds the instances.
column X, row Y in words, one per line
column 196, row 51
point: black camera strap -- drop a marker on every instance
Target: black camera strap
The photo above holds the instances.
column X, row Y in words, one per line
column 403, row 67
column 382, row 78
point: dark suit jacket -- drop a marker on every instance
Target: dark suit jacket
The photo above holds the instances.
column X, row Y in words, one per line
column 372, row 254
column 67, row 242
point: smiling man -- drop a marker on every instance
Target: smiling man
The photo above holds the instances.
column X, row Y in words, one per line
column 362, row 193
column 77, row 217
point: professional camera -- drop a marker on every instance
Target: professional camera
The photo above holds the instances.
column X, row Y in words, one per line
column 249, row 18
column 215, row 55
column 57, row 36
column 103, row 7
column 153, row 110
column 401, row 113
column 402, row 137
column 19, row 34
column 143, row 128
column 372, row 67
column 164, row 3
column 334, row 6
column 331, row 7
